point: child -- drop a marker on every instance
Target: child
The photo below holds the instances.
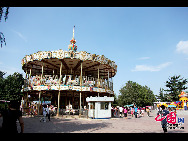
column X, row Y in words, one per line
column 125, row 112
column 147, row 110
column 142, row 112
column 132, row 111
column 138, row 112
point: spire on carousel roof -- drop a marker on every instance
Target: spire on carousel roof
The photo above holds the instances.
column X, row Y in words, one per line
column 73, row 41
column 72, row 46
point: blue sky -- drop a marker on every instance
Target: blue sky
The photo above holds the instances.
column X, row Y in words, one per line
column 148, row 44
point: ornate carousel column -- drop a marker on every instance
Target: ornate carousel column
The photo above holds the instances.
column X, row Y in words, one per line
column 58, row 101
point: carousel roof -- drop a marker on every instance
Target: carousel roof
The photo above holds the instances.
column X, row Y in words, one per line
column 71, row 61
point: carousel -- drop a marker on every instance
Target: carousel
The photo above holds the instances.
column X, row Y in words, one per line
column 66, row 78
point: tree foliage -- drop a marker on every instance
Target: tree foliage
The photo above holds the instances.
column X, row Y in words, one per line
column 132, row 92
column 175, row 85
column 10, row 87
column 115, row 102
column 163, row 96
column 6, row 11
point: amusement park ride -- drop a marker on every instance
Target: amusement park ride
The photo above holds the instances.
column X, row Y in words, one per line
column 66, row 77
column 179, row 105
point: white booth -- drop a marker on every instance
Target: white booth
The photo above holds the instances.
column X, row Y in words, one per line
column 99, row 107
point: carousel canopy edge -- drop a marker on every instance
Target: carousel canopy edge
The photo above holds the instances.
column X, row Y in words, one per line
column 60, row 54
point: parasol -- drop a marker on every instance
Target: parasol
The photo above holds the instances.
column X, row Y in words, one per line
column 171, row 106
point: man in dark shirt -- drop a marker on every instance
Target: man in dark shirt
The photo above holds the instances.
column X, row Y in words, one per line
column 10, row 117
column 164, row 121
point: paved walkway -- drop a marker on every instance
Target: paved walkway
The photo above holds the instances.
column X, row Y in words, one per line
column 115, row 125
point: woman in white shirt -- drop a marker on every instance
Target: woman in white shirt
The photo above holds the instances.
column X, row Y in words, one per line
column 120, row 110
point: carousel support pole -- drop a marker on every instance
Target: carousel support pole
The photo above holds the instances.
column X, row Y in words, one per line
column 60, row 73
column 98, row 75
column 98, row 79
column 58, row 102
column 108, row 79
column 30, row 73
column 39, row 102
column 53, row 72
column 42, row 68
column 80, row 92
column 42, row 73
column 112, row 84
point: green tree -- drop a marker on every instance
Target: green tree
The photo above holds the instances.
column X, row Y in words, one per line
column 132, row 92
column 6, row 11
column 2, row 83
column 115, row 102
column 2, row 74
column 163, row 97
column 175, row 85
column 10, row 87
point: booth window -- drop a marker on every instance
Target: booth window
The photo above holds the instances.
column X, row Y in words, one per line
column 104, row 105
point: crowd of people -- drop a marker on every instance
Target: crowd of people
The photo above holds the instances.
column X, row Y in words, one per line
column 46, row 113
column 33, row 109
column 120, row 111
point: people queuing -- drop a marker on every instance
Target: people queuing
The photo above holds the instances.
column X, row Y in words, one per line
column 123, row 111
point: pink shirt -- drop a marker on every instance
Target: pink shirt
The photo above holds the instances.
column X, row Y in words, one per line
column 125, row 110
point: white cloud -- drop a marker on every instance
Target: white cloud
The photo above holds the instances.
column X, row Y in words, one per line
column 151, row 68
column 143, row 58
column 182, row 47
column 20, row 35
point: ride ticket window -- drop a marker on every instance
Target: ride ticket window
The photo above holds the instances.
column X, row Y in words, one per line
column 104, row 105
